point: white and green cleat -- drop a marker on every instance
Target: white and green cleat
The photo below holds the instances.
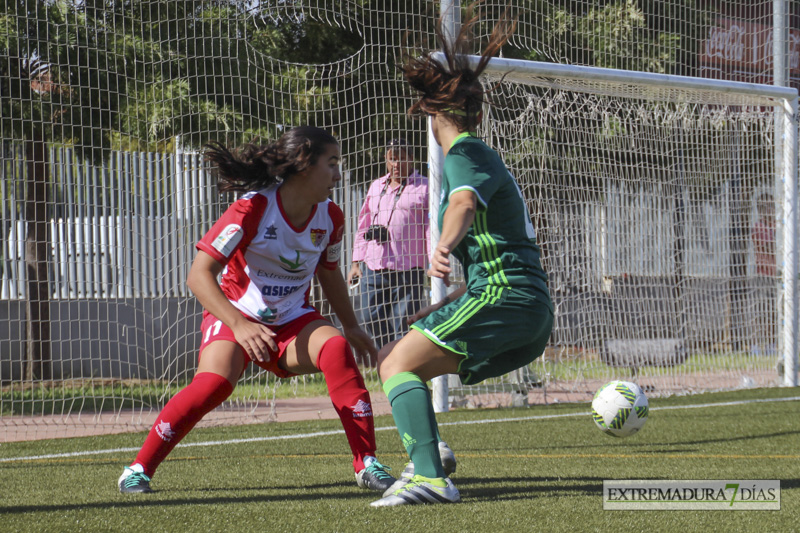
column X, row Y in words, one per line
column 134, row 480
column 448, row 464
column 402, row 481
column 421, row 490
column 448, row 459
column 375, row 477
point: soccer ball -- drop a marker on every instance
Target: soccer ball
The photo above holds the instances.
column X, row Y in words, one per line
column 620, row 408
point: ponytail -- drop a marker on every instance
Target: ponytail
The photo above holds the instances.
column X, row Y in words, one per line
column 254, row 167
column 452, row 87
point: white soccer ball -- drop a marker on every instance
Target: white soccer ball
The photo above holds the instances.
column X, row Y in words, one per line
column 620, row 408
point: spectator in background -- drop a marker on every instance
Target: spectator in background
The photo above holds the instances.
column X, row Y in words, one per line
column 765, row 297
column 390, row 252
column 763, row 235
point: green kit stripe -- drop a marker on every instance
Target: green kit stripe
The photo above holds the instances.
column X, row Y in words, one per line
column 492, row 252
column 492, row 261
column 399, row 379
column 464, row 313
column 461, row 314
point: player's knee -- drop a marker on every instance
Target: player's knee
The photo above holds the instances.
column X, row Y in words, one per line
column 335, row 352
column 389, row 361
column 385, row 350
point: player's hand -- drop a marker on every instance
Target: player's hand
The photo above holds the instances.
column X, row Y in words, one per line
column 440, row 264
column 361, row 342
column 256, row 339
column 422, row 313
column 353, row 275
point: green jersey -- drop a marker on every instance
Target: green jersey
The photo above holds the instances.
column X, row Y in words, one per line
column 499, row 251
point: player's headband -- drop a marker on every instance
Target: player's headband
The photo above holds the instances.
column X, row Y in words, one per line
column 462, row 113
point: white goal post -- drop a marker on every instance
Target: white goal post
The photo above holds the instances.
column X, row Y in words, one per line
column 661, row 102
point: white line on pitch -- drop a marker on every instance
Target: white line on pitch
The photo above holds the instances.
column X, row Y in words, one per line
column 385, row 428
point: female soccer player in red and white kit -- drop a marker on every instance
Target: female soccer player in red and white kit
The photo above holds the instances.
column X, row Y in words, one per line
column 268, row 246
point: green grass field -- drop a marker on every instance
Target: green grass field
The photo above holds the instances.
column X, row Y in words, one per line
column 534, row 469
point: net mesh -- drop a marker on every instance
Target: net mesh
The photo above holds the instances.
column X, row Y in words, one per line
column 648, row 238
column 655, row 248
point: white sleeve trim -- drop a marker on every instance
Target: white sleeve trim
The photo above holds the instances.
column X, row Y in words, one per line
column 468, row 188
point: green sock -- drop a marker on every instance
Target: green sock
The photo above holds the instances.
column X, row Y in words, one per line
column 416, row 422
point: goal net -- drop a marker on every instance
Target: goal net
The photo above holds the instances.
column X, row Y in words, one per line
column 664, row 208
column 662, row 204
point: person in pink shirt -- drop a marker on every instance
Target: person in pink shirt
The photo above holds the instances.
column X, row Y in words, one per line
column 390, row 252
column 765, row 297
column 763, row 235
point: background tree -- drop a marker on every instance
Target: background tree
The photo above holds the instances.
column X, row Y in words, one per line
column 99, row 76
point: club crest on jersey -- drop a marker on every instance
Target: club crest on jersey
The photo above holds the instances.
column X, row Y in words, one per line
column 317, row 236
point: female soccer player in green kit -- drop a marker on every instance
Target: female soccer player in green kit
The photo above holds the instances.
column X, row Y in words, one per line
column 501, row 318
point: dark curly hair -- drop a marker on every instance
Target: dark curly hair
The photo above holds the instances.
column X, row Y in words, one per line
column 253, row 166
column 453, row 87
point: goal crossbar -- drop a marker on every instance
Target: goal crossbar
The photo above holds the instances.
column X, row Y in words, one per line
column 523, row 71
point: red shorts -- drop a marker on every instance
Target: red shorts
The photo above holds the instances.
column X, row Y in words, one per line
column 214, row 330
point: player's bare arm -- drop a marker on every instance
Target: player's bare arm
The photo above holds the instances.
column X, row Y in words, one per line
column 457, row 220
column 425, row 311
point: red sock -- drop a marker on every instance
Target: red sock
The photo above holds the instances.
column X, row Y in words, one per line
column 206, row 391
column 349, row 397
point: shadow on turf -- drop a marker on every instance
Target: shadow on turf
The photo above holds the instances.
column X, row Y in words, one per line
column 473, row 490
column 696, row 442
column 636, row 442
column 152, row 499
column 519, row 488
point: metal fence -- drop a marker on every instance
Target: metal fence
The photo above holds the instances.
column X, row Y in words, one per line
column 126, row 229
column 120, row 230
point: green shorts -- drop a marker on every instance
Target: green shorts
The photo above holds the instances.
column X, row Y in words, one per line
column 494, row 338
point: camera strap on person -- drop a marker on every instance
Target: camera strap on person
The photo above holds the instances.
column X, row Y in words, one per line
column 380, row 232
column 397, row 195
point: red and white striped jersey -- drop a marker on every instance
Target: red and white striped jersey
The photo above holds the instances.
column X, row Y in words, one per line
column 269, row 263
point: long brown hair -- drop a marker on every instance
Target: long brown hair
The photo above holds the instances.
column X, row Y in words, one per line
column 252, row 166
column 453, row 87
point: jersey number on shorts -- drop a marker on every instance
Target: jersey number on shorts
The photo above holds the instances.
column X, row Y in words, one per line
column 215, row 327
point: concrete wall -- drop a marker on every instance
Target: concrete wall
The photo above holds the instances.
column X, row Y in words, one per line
column 112, row 339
